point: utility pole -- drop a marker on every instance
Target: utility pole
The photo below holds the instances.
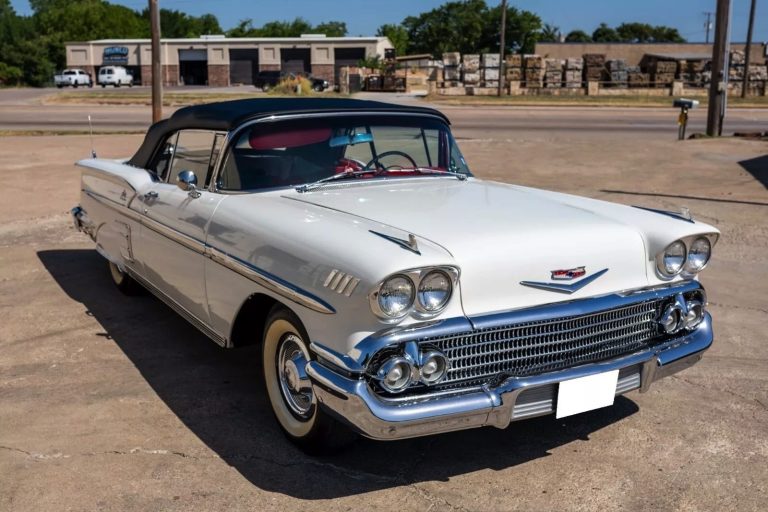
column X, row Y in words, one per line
column 157, row 79
column 745, row 84
column 502, row 44
column 708, row 24
column 717, row 87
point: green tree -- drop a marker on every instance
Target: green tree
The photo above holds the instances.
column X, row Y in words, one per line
column 331, row 29
column 605, row 34
column 470, row 26
column 452, row 27
column 662, row 34
column 578, row 36
column 397, row 35
column 549, row 33
column 523, row 30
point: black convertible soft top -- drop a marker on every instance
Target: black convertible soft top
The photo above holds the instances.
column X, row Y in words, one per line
column 227, row 115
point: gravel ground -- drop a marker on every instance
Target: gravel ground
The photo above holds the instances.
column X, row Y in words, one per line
column 111, row 403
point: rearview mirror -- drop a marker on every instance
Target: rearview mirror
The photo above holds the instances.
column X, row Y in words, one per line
column 350, row 140
column 187, row 181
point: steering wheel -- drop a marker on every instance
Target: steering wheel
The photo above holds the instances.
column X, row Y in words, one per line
column 378, row 157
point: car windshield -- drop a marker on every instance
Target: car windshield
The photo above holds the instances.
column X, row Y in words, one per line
column 290, row 153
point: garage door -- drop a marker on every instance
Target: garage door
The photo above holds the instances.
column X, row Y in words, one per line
column 346, row 57
column 295, row 60
column 243, row 65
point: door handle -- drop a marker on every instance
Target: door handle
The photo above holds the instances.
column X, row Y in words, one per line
column 150, row 195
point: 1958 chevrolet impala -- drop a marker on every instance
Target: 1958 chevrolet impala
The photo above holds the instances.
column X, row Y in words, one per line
column 390, row 290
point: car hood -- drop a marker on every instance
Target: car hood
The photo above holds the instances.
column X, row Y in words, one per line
column 501, row 235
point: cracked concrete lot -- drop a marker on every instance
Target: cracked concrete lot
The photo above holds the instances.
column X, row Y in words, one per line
column 115, row 403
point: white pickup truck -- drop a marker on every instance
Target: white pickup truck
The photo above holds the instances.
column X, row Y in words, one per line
column 74, row 78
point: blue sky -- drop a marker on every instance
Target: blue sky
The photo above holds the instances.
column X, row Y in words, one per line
column 363, row 17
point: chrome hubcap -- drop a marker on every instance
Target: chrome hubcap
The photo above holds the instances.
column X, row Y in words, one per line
column 294, row 383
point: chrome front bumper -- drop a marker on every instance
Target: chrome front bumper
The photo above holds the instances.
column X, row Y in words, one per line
column 351, row 400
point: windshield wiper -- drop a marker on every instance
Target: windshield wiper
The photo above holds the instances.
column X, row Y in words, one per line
column 351, row 174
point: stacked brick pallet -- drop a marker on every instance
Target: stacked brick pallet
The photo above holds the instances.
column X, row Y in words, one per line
column 451, row 69
column 534, row 71
column 663, row 72
column 636, row 78
column 594, row 67
column 553, row 73
column 691, row 72
column 617, row 70
column 513, row 68
column 491, row 69
column 574, row 68
column 470, row 65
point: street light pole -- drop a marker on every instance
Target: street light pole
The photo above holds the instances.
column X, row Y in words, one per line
column 717, row 86
column 502, row 44
column 157, row 79
column 747, row 50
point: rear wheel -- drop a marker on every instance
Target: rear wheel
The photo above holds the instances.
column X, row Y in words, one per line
column 75, row 85
column 285, row 353
column 123, row 281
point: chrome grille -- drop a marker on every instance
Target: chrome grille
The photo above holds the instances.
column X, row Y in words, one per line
column 537, row 347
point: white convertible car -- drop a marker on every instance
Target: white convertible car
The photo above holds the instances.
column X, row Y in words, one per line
column 392, row 293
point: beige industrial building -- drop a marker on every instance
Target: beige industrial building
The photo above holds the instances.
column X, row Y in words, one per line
column 222, row 61
column 634, row 53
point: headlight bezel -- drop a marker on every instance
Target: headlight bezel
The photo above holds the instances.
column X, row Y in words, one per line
column 685, row 271
column 415, row 309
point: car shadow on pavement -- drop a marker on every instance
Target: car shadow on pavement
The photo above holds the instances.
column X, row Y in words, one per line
column 217, row 394
column 758, row 168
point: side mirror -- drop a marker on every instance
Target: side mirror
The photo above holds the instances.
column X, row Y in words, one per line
column 187, row 181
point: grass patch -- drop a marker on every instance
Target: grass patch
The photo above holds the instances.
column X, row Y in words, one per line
column 587, row 101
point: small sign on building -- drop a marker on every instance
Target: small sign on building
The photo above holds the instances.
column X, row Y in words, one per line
column 115, row 55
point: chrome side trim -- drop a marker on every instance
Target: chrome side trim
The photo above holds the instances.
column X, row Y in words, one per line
column 193, row 244
column 114, row 205
column 105, row 175
column 565, row 288
column 255, row 274
column 269, row 281
column 352, row 400
column 181, row 310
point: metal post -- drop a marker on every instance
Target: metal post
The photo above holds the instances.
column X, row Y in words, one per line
column 747, row 50
column 717, row 85
column 157, row 79
column 502, row 44
column 708, row 26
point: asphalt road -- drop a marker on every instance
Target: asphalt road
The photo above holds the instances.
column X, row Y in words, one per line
column 20, row 110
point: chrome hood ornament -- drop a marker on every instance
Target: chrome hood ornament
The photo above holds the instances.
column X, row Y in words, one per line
column 566, row 275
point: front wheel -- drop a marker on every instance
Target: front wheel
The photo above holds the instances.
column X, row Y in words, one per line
column 123, row 281
column 285, row 354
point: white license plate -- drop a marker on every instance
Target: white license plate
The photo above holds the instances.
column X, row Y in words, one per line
column 586, row 393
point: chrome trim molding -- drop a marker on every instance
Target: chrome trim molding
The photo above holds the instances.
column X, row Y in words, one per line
column 341, row 283
column 269, row 281
column 565, row 288
column 178, row 308
column 408, row 245
column 255, row 274
column 668, row 213
column 352, row 400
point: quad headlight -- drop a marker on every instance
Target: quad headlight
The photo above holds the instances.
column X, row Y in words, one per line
column 673, row 258
column 395, row 296
column 423, row 292
column 434, row 291
column 687, row 256
column 698, row 255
